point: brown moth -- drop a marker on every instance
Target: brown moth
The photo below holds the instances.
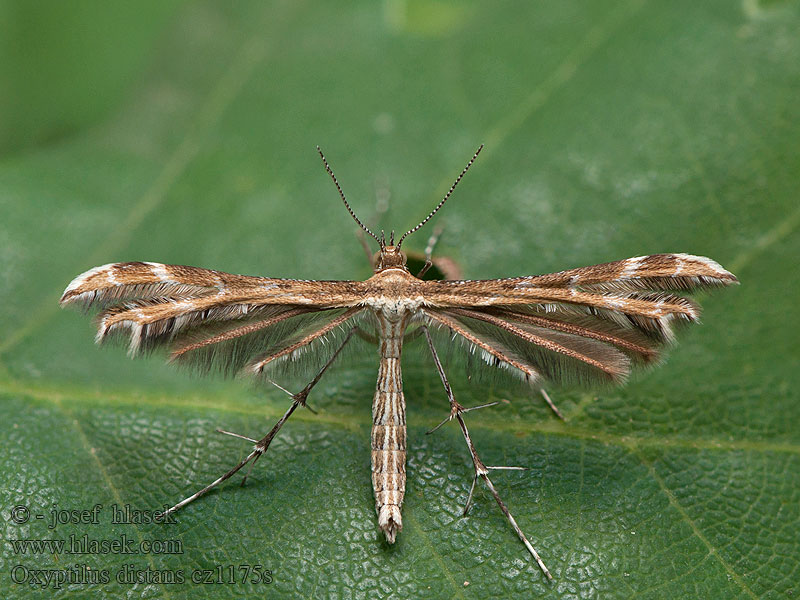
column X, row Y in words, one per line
column 590, row 324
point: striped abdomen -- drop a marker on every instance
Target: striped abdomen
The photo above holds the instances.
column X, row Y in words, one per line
column 389, row 431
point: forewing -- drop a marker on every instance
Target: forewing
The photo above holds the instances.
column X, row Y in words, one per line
column 157, row 305
column 636, row 293
column 584, row 324
column 114, row 283
column 670, row 272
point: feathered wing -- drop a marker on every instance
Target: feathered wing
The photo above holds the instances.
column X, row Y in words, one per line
column 588, row 325
column 261, row 347
column 211, row 319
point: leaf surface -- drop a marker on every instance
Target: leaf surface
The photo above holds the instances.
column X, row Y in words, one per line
column 612, row 129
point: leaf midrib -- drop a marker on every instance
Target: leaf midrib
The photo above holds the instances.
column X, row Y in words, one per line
column 93, row 397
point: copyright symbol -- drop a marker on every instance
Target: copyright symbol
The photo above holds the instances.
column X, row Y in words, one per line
column 20, row 514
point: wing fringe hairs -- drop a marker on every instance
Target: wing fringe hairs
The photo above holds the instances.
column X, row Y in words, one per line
column 553, row 355
column 238, row 349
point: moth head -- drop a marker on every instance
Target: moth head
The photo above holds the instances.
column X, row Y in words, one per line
column 389, row 256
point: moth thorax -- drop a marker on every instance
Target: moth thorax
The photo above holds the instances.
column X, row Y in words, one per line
column 389, row 257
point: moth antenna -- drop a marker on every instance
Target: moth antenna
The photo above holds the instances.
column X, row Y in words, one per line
column 391, row 238
column 446, row 196
column 341, row 193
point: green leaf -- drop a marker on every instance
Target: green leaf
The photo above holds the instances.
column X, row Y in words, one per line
column 612, row 129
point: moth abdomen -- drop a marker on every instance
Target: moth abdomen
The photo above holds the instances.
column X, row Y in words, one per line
column 389, row 431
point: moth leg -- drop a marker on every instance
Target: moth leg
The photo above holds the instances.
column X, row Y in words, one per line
column 550, row 403
column 429, row 250
column 262, row 445
column 455, row 408
column 481, row 470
